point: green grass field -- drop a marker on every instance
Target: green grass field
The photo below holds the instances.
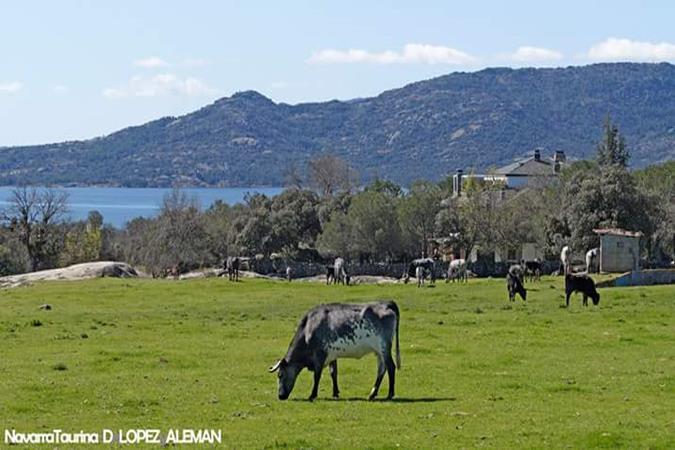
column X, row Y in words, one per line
column 477, row 371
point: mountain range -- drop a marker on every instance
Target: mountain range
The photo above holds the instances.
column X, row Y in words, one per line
column 424, row 130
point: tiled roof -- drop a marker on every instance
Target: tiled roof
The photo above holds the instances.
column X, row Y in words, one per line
column 617, row 232
column 528, row 166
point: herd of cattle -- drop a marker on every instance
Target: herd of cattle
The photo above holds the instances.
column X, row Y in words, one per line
column 425, row 268
column 332, row 331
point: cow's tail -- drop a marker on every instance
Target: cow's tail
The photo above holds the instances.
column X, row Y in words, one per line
column 394, row 306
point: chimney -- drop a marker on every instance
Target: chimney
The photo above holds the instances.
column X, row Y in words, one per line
column 537, row 154
column 457, row 183
column 558, row 159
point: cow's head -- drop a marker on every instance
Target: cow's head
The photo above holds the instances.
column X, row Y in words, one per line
column 522, row 291
column 596, row 298
column 287, row 374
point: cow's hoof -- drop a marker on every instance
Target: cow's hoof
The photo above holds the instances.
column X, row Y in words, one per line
column 372, row 396
column 311, row 398
column 390, row 397
column 336, row 395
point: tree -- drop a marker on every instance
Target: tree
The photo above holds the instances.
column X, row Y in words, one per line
column 336, row 238
column 612, row 148
column 217, row 224
column 176, row 237
column 33, row 215
column 609, row 199
column 369, row 229
column 385, row 187
column 659, row 182
column 479, row 215
column 292, row 176
column 329, row 174
column 417, row 215
column 83, row 242
column 180, row 231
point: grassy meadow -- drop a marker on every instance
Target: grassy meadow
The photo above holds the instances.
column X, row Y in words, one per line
column 477, row 371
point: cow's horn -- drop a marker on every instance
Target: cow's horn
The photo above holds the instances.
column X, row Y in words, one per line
column 275, row 367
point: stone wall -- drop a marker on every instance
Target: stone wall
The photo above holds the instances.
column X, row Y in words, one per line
column 480, row 268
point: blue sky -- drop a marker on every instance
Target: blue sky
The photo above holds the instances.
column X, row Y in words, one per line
column 80, row 69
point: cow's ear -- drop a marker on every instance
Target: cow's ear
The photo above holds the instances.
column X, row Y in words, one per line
column 275, row 367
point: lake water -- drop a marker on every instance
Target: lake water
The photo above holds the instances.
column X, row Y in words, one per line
column 119, row 205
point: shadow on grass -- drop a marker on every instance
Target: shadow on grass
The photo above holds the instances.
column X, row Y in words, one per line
column 383, row 400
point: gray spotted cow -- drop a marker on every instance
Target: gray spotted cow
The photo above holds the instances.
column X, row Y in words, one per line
column 333, row 331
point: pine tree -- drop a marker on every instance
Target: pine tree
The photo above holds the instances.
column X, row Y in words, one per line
column 612, row 148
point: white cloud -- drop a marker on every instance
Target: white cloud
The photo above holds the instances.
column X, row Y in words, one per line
column 10, row 87
column 411, row 53
column 159, row 85
column 528, row 53
column 152, row 62
column 616, row 49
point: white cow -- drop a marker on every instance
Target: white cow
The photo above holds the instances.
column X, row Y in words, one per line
column 565, row 255
column 590, row 257
column 339, row 272
column 457, row 270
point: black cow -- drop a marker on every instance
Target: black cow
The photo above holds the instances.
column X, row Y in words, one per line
column 515, row 286
column 532, row 269
column 329, row 332
column 330, row 274
column 427, row 265
column 583, row 284
column 232, row 268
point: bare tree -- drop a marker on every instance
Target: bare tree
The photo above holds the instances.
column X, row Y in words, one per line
column 329, row 174
column 32, row 216
column 292, row 176
column 177, row 237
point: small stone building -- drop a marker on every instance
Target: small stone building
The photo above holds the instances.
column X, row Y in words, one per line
column 619, row 250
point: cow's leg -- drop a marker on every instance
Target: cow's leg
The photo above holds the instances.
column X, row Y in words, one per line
column 380, row 374
column 391, row 373
column 333, row 374
column 317, row 379
column 585, row 300
column 567, row 299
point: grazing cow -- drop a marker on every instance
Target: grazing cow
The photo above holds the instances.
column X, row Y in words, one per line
column 457, row 271
column 532, row 269
column 590, row 258
column 515, row 286
column 330, row 274
column 339, row 273
column 565, row 255
column 329, row 332
column 232, row 267
column 427, row 265
column 173, row 271
column 517, row 271
column 583, row 284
